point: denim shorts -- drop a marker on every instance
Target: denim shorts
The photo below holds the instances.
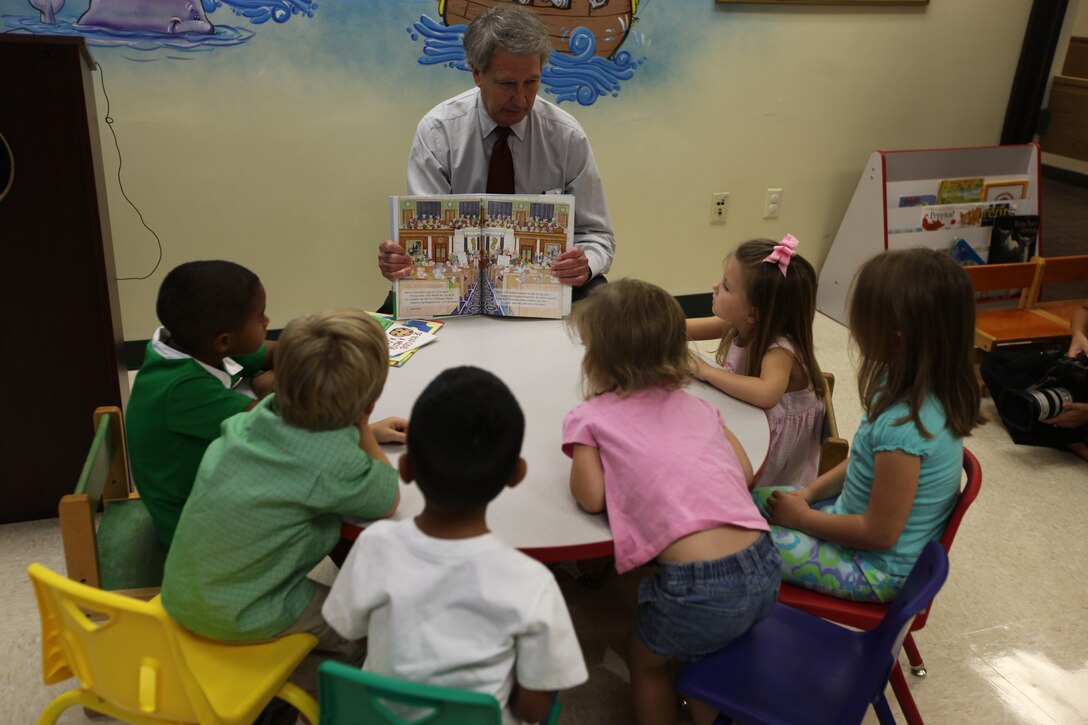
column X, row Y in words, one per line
column 686, row 611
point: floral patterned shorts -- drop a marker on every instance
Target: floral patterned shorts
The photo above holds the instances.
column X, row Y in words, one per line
column 825, row 567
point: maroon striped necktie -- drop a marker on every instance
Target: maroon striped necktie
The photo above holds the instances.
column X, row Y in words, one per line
column 500, row 172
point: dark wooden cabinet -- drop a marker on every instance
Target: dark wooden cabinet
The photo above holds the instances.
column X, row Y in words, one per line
column 1066, row 132
column 60, row 325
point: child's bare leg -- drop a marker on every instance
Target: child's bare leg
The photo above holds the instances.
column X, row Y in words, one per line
column 651, row 680
column 1080, row 449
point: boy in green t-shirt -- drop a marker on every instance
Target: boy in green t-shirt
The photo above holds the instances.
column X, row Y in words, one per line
column 210, row 346
column 271, row 492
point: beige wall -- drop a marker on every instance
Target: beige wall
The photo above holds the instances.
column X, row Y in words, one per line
column 295, row 184
column 1079, row 13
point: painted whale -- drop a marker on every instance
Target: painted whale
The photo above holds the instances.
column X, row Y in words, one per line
column 157, row 16
column 48, row 9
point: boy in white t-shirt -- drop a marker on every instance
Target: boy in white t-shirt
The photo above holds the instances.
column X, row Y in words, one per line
column 439, row 598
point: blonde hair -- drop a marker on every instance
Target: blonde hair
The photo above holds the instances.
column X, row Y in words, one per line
column 912, row 316
column 330, row 367
column 785, row 307
column 635, row 338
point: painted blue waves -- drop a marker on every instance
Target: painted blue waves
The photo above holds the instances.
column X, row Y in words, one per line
column 140, row 40
column 441, row 44
column 583, row 76
column 261, row 11
column 575, row 76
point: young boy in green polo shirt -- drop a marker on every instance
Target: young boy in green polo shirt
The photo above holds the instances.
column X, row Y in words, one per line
column 271, row 492
column 212, row 341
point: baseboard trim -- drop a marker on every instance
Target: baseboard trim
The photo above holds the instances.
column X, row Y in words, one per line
column 697, row 305
column 1066, row 176
column 136, row 349
column 134, row 353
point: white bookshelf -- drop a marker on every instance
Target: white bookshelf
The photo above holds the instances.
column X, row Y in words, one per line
column 874, row 221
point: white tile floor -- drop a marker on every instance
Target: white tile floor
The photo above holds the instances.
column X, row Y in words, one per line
column 1007, row 641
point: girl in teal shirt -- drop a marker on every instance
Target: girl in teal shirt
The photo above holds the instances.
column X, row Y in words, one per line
column 856, row 531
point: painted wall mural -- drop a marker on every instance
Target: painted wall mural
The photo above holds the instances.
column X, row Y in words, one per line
column 596, row 47
column 586, row 36
column 152, row 25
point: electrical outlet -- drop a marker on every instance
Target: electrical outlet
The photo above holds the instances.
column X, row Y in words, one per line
column 772, row 204
column 719, row 202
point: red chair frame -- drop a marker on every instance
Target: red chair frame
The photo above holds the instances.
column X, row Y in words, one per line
column 865, row 615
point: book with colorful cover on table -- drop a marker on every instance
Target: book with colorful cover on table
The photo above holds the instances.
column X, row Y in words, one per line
column 405, row 337
column 482, row 254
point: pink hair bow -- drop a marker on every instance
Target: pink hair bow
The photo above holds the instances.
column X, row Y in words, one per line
column 783, row 253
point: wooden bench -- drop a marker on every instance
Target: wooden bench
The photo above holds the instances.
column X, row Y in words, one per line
column 1019, row 325
column 122, row 553
column 1056, row 270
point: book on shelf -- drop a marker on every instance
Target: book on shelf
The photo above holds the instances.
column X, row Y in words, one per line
column 405, row 337
column 1006, row 190
column 1013, row 238
column 959, row 216
column 964, row 254
column 918, row 200
column 482, row 254
column 960, row 191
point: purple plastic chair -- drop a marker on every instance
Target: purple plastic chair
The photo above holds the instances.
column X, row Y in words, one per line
column 794, row 668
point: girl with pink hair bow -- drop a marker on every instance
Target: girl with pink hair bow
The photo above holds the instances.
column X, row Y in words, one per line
column 764, row 306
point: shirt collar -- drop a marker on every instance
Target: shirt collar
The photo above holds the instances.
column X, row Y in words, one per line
column 160, row 343
column 487, row 124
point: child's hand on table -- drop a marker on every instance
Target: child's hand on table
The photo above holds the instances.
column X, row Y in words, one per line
column 390, row 430
column 262, row 383
column 698, row 366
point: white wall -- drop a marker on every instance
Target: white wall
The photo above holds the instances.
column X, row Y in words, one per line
column 285, row 162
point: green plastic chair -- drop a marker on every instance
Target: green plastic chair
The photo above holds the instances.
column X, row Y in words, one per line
column 120, row 552
column 349, row 695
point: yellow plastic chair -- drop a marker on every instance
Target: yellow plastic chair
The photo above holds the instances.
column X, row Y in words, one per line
column 136, row 664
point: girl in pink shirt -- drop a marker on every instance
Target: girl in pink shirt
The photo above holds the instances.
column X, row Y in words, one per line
column 763, row 311
column 674, row 480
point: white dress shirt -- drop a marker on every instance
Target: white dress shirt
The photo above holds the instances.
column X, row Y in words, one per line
column 452, row 149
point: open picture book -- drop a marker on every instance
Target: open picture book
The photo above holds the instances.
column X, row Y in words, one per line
column 482, row 254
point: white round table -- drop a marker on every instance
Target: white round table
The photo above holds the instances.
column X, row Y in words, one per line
column 540, row 361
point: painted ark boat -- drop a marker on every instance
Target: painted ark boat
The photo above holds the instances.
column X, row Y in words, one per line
column 608, row 20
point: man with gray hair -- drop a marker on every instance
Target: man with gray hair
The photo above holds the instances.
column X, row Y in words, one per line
column 463, row 145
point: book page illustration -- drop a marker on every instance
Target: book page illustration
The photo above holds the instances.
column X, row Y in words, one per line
column 442, row 236
column 489, row 254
